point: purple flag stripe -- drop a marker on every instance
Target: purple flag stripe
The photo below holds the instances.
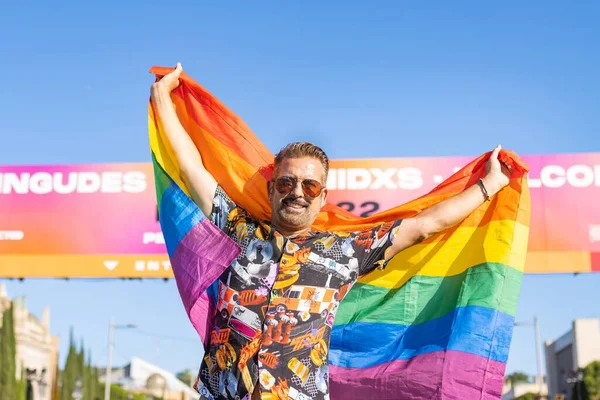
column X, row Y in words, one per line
column 441, row 375
column 199, row 259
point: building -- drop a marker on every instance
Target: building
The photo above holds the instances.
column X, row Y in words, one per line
column 37, row 348
column 140, row 376
column 570, row 352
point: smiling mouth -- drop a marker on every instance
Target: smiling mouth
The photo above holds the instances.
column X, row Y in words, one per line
column 294, row 206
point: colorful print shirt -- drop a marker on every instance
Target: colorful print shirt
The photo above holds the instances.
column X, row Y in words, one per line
column 276, row 306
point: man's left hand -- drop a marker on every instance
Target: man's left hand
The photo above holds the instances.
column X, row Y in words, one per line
column 497, row 174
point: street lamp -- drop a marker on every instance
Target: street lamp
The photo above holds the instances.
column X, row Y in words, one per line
column 111, row 331
column 538, row 350
column 576, row 380
column 37, row 382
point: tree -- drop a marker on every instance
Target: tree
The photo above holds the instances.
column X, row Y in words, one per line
column 70, row 372
column 527, row 396
column 81, row 371
column 55, row 385
column 8, row 355
column 119, row 393
column 77, row 368
column 98, row 392
column 517, row 377
column 88, row 379
column 185, row 376
column 22, row 389
column 591, row 379
column 579, row 392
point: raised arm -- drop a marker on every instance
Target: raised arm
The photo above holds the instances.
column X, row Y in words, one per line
column 450, row 212
column 201, row 183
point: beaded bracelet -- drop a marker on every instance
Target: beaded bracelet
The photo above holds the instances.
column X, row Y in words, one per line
column 483, row 189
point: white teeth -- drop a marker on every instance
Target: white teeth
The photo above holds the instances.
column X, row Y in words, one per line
column 293, row 205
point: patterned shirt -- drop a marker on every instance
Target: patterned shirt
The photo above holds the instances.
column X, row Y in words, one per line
column 276, row 305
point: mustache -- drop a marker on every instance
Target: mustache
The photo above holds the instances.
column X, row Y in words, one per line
column 296, row 201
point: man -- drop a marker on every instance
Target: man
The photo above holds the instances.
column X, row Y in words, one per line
column 277, row 301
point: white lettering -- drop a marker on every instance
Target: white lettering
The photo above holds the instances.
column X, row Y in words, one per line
column 409, row 178
column 111, row 182
column 556, row 176
column 341, row 179
column 89, row 182
column 553, row 176
column 580, row 176
column 331, row 181
column 17, row 183
column 533, row 182
column 140, row 265
column 383, row 178
column 12, row 235
column 153, row 237
column 69, row 187
column 358, row 178
column 134, row 182
column 153, row 265
column 41, row 183
column 594, row 233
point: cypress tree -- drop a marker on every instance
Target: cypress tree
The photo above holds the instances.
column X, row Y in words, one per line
column 80, row 375
column 55, row 383
column 88, row 384
column 3, row 353
column 98, row 393
column 22, row 386
column 69, row 376
column 8, row 350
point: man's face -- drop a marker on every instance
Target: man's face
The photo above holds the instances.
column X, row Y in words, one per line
column 295, row 194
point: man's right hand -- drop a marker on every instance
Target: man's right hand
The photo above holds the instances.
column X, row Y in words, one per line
column 199, row 181
column 167, row 83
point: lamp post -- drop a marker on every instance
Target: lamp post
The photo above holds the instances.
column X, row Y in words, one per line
column 111, row 332
column 538, row 351
column 37, row 383
column 576, row 379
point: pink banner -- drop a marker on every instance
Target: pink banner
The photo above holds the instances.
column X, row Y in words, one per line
column 100, row 220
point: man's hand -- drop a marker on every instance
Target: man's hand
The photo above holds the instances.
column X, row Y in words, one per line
column 450, row 212
column 167, row 83
column 497, row 174
column 199, row 181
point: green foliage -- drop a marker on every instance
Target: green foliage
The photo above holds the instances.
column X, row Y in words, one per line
column 79, row 373
column 527, row 396
column 579, row 392
column 591, row 378
column 185, row 376
column 517, row 377
column 71, row 371
column 22, row 389
column 118, row 393
column 589, row 388
column 8, row 362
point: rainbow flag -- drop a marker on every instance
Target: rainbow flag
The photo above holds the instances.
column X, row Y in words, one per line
column 435, row 324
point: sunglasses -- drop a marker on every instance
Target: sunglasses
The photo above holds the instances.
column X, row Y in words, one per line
column 310, row 187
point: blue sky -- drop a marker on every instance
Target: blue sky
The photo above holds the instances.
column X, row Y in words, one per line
column 363, row 79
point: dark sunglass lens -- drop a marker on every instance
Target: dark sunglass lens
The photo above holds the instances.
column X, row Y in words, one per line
column 311, row 187
column 284, row 184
